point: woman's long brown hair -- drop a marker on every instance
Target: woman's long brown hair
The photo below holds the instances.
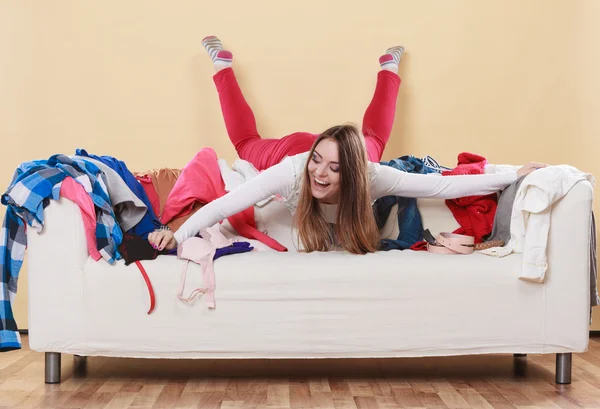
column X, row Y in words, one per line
column 355, row 227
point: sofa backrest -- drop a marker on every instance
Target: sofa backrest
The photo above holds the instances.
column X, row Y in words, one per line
column 435, row 216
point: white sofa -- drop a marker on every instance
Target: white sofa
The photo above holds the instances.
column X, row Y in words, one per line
column 296, row 305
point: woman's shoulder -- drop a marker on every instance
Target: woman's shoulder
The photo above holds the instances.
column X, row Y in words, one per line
column 297, row 161
column 373, row 170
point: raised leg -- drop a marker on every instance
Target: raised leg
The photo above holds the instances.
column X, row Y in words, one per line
column 242, row 131
column 52, row 367
column 379, row 116
column 563, row 368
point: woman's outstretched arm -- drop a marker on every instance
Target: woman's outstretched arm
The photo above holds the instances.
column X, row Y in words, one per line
column 278, row 179
column 393, row 182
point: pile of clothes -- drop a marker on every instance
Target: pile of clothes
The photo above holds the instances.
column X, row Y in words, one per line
column 475, row 214
column 497, row 222
column 119, row 210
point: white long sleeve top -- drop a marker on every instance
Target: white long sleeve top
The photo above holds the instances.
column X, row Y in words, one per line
column 284, row 179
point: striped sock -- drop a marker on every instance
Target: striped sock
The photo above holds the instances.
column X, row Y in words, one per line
column 391, row 59
column 213, row 46
column 220, row 58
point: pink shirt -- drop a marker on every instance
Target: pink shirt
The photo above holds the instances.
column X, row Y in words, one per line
column 76, row 193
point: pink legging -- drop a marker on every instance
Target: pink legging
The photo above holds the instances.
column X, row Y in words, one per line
column 263, row 153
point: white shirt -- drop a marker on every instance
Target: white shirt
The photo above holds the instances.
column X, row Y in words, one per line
column 531, row 215
column 284, row 179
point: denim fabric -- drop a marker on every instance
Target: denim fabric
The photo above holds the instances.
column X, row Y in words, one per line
column 409, row 218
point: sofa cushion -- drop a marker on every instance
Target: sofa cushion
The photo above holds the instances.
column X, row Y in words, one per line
column 318, row 304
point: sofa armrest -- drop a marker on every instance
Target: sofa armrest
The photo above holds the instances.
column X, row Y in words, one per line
column 567, row 281
column 56, row 259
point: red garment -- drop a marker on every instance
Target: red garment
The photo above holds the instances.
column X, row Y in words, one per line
column 75, row 192
column 264, row 153
column 146, row 182
column 148, row 284
column 201, row 181
column 419, row 246
column 475, row 214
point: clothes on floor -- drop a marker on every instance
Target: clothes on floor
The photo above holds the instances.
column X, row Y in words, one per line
column 284, row 179
column 128, row 208
column 410, row 224
column 76, row 193
column 33, row 185
column 149, row 222
column 201, row 181
column 264, row 153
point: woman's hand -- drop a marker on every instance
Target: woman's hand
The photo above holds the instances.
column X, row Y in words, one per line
column 530, row 167
column 162, row 239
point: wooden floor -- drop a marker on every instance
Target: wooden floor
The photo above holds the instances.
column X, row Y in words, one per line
column 493, row 381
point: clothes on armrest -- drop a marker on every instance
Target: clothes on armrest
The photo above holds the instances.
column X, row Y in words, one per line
column 149, row 222
column 129, row 209
column 501, row 227
column 76, row 193
column 34, row 184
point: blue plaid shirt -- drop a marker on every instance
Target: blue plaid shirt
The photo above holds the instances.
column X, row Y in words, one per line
column 34, row 184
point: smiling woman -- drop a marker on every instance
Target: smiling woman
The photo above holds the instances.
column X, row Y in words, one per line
column 337, row 174
column 311, row 171
column 324, row 169
column 308, row 183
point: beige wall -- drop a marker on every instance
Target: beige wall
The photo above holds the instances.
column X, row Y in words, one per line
column 513, row 80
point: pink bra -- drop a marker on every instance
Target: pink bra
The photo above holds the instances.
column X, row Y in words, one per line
column 202, row 251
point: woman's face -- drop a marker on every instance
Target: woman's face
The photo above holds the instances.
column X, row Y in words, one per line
column 323, row 171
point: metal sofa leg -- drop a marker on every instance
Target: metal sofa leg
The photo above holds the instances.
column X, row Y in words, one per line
column 563, row 368
column 52, row 367
column 79, row 365
column 80, row 360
